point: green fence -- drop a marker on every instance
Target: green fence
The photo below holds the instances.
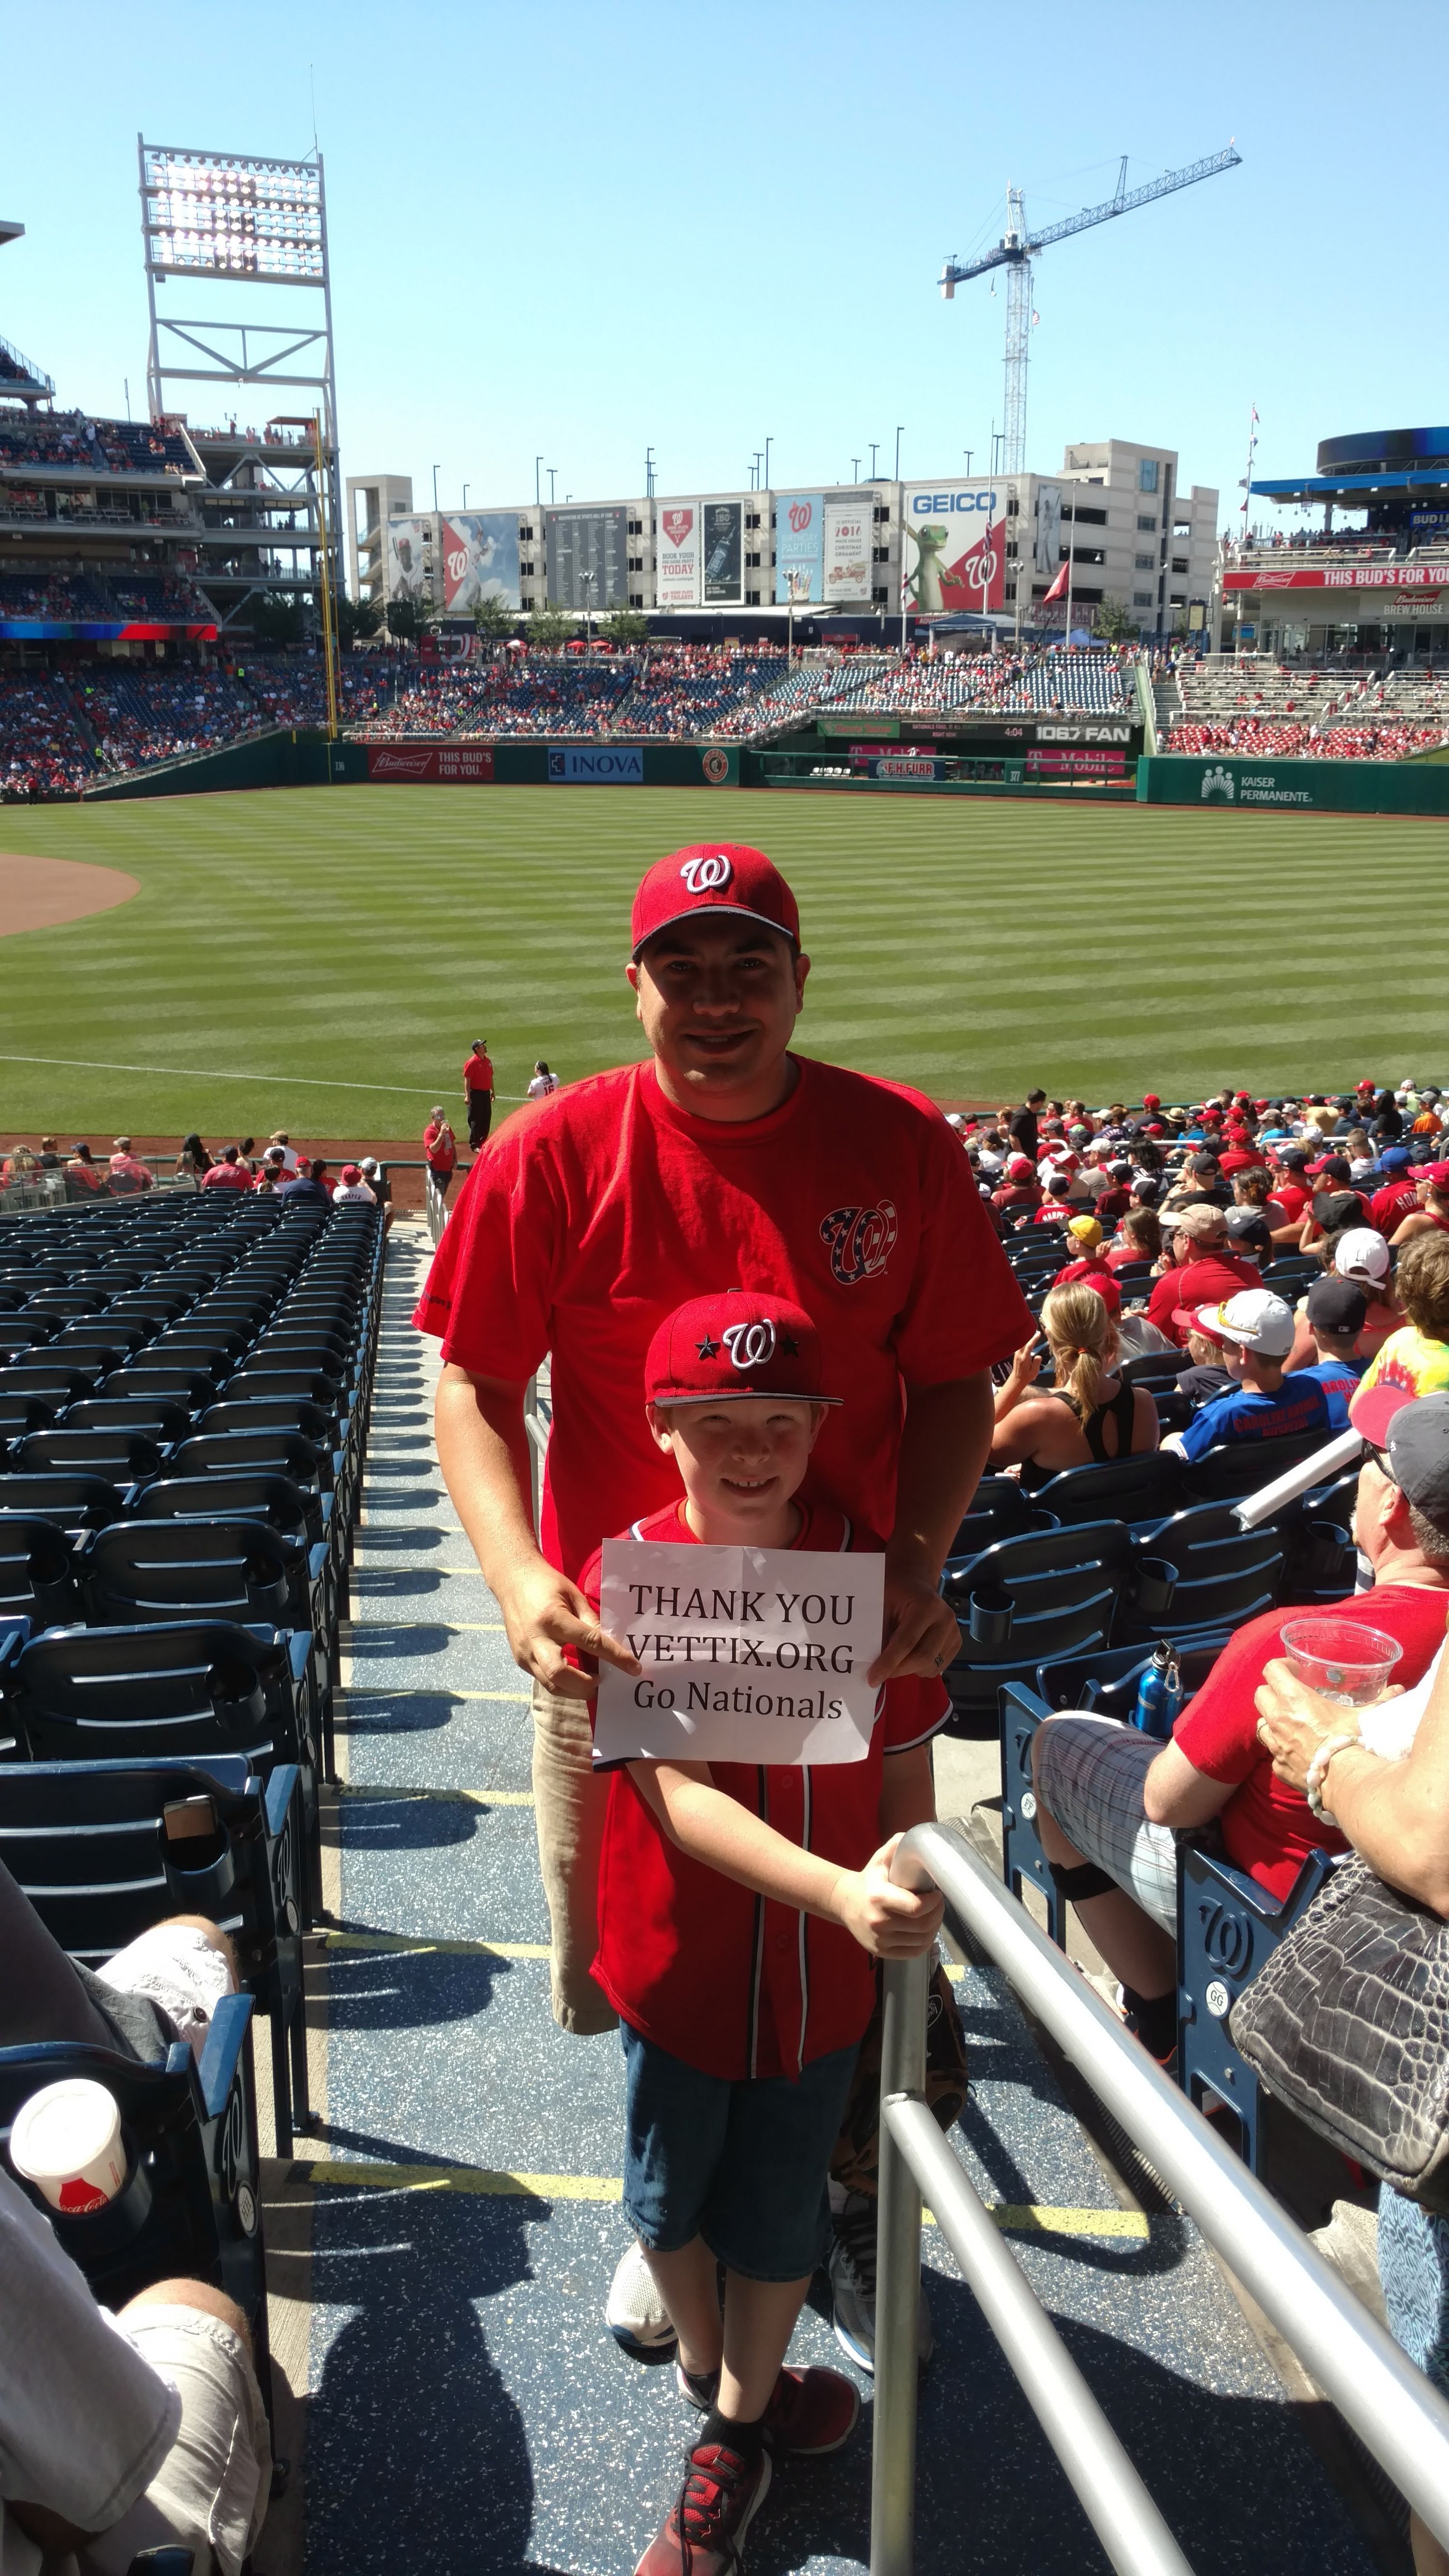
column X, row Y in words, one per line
column 308, row 760
column 1308, row 786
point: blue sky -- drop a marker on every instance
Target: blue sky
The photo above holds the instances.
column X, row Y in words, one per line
column 600, row 227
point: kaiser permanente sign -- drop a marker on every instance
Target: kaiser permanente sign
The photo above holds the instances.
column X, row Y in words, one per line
column 1304, row 786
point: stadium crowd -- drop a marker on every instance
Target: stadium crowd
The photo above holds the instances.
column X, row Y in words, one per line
column 105, row 446
column 1279, row 736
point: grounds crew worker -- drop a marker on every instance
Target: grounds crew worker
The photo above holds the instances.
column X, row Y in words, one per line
column 592, row 1214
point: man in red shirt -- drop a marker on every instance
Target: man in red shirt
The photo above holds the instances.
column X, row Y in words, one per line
column 440, row 1150
column 478, row 1092
column 1240, row 1155
column 230, row 1173
column 1400, row 1193
column 1206, row 1272
column 595, row 1212
column 1287, row 1170
column 1111, row 1801
column 1019, row 1194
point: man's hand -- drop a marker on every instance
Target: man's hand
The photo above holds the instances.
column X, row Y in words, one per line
column 921, row 1633
column 543, row 1612
column 1293, row 1721
column 890, row 1922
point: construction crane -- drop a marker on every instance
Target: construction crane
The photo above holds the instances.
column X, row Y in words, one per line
column 1015, row 252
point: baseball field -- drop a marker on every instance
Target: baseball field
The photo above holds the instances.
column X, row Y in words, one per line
column 319, row 959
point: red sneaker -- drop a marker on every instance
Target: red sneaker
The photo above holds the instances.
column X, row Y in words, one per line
column 810, row 2412
column 704, row 2533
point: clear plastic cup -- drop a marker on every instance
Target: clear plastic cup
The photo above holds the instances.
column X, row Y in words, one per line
column 67, row 2141
column 1340, row 1659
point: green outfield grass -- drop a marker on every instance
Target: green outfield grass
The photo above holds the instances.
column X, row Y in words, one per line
column 319, row 959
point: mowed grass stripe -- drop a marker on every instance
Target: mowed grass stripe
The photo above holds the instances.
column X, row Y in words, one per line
column 304, row 937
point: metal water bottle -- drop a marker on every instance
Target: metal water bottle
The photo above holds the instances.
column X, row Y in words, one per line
column 1159, row 1695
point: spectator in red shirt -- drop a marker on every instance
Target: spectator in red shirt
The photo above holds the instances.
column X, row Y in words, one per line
column 1111, row 1801
column 1140, row 1238
column 739, row 1911
column 128, row 1174
column 229, row 1174
column 1090, row 1266
column 478, row 1093
column 1431, row 1216
column 1240, row 1155
column 1400, row 1192
column 604, row 1206
column 1205, row 1272
column 84, row 1175
column 1019, row 1194
column 440, row 1149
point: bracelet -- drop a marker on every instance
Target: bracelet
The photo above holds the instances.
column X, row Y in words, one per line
column 1318, row 1771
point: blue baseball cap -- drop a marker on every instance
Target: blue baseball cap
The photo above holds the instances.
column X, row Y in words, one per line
column 1393, row 1158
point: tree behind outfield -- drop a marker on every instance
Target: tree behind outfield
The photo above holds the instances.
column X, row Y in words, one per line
column 1113, row 623
column 357, row 619
column 550, row 626
column 493, row 618
column 626, row 627
column 276, row 619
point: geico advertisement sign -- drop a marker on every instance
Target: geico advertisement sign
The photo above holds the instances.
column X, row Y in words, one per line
column 955, row 548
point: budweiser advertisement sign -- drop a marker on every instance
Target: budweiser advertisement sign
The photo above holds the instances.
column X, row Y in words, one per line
column 1429, row 579
column 450, row 764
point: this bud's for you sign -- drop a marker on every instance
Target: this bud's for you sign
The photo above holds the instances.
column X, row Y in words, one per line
column 749, row 1654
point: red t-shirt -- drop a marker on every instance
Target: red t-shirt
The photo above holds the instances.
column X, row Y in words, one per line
column 1291, row 1199
column 731, row 1982
column 1119, row 1253
column 440, row 1146
column 1198, row 1283
column 1017, row 1195
column 1269, row 1829
column 226, row 1176
column 1392, row 1204
column 592, row 1214
column 477, row 1073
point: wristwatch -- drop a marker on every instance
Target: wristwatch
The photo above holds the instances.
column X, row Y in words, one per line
column 1317, row 1772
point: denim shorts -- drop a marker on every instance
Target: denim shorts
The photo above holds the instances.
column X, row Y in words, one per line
column 744, row 2165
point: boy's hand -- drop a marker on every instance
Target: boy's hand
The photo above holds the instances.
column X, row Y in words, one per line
column 890, row 1922
column 543, row 1612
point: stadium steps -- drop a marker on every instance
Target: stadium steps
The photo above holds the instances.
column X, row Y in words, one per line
column 467, row 2408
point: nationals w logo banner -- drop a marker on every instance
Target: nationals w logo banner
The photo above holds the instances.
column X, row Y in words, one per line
column 861, row 1240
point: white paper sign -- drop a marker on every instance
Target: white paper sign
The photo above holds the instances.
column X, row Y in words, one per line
column 750, row 1654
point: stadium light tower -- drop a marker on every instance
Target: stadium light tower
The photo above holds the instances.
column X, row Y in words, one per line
column 237, row 219
column 1015, row 252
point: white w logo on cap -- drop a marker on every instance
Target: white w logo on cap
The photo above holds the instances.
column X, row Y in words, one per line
column 702, row 875
column 750, row 1345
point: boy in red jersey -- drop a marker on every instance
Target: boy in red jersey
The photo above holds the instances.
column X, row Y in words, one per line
column 741, row 1907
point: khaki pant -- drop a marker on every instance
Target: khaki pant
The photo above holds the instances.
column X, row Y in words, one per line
column 569, row 1803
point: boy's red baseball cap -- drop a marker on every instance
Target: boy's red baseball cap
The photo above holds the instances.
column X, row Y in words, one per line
column 714, row 876
column 735, row 1344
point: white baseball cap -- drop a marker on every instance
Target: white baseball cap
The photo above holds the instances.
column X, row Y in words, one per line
column 1361, row 1254
column 1254, row 1318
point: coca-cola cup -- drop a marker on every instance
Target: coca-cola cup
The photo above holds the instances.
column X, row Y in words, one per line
column 67, row 2141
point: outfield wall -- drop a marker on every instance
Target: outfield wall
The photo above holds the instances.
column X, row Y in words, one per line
column 308, row 760
column 1311, row 786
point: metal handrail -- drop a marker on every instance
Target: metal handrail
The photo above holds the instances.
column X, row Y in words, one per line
column 1392, row 2407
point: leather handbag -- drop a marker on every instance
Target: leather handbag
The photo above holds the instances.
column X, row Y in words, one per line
column 1348, row 2024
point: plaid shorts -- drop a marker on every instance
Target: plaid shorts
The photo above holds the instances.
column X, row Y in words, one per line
column 1089, row 1775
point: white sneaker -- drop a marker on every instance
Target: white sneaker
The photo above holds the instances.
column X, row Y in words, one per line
column 852, row 2286
column 634, row 2312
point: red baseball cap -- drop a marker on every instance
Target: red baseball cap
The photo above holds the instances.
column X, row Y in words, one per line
column 1365, row 1085
column 1020, row 1168
column 735, row 1344
column 714, row 876
column 1438, row 1173
column 350, row 1174
column 1150, row 1100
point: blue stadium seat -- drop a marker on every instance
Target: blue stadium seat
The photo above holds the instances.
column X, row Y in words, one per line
column 106, row 1850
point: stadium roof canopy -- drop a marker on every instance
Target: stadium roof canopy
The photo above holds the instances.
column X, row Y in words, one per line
column 1370, row 463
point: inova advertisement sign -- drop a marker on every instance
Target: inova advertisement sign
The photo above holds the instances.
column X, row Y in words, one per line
column 955, row 547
